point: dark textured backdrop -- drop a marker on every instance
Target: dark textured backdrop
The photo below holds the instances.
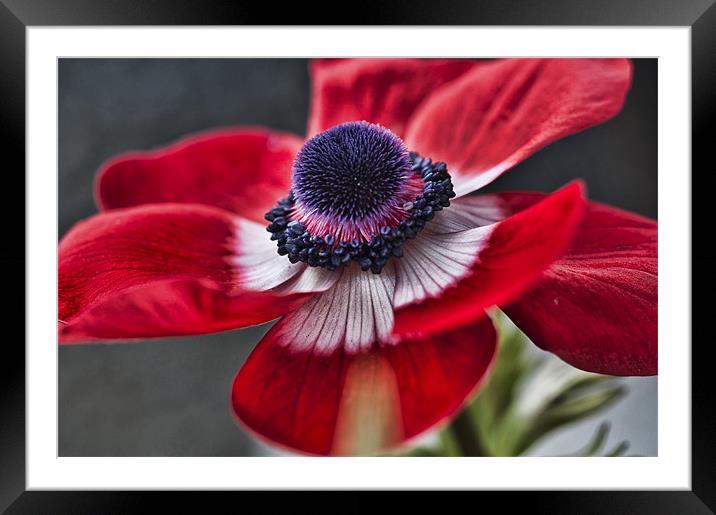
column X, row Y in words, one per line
column 170, row 397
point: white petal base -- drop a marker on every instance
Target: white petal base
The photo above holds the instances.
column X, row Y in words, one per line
column 443, row 253
column 355, row 313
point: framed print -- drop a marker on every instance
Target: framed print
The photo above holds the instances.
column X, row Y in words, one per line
column 424, row 257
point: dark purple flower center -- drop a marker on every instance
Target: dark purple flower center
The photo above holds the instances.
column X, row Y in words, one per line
column 353, row 179
column 358, row 195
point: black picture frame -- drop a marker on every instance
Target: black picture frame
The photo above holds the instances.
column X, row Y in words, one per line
column 17, row 15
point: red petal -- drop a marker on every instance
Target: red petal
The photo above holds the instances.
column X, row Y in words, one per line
column 384, row 91
column 159, row 270
column 348, row 403
column 517, row 251
column 175, row 308
column 496, row 115
column 596, row 308
column 243, row 170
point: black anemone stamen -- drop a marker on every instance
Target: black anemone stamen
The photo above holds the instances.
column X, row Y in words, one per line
column 295, row 241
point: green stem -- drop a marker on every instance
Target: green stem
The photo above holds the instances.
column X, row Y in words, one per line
column 466, row 435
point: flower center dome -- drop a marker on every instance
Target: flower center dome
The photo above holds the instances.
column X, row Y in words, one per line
column 357, row 195
column 351, row 180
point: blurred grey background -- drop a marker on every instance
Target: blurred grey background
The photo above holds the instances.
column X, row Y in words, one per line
column 170, row 397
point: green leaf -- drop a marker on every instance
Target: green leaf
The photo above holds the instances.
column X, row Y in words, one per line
column 619, row 450
column 598, row 440
column 577, row 401
column 502, row 421
column 421, row 452
column 596, row 444
column 498, row 395
column 448, row 445
column 509, row 368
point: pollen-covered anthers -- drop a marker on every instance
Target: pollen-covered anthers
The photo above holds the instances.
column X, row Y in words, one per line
column 296, row 242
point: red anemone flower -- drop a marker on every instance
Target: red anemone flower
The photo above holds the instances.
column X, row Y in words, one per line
column 379, row 265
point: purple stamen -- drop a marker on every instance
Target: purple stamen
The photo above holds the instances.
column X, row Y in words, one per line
column 358, row 195
column 351, row 180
